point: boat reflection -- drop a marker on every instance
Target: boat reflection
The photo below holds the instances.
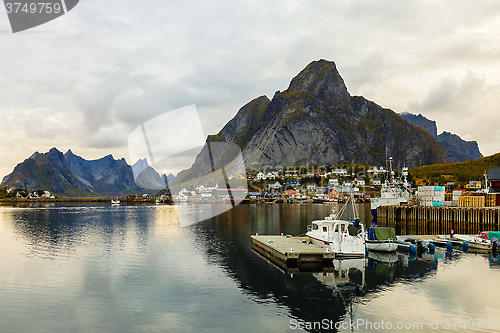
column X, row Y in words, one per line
column 310, row 292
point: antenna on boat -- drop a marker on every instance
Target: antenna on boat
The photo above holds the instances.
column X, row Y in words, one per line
column 390, row 169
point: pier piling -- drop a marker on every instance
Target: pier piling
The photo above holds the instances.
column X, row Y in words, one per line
column 439, row 220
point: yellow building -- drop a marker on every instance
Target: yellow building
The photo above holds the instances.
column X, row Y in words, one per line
column 473, row 185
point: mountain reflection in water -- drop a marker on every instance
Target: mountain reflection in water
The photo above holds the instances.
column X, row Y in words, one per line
column 94, row 267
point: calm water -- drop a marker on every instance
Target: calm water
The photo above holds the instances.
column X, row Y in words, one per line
column 136, row 269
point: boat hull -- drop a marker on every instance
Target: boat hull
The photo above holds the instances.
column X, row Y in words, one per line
column 382, row 246
column 458, row 240
column 347, row 250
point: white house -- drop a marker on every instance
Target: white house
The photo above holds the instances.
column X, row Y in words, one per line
column 270, row 175
column 347, row 183
column 333, row 182
column 311, row 187
column 359, row 181
column 339, row 172
column 46, row 194
column 261, row 175
column 275, row 186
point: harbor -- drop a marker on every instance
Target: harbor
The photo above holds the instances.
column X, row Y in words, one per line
column 141, row 251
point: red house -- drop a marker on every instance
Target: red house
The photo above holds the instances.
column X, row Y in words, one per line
column 494, row 180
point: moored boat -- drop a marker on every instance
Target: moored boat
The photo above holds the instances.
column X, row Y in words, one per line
column 381, row 239
column 473, row 242
column 394, row 192
column 344, row 238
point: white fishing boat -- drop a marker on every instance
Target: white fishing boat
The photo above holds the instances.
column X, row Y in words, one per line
column 115, row 201
column 473, row 242
column 394, row 192
column 344, row 238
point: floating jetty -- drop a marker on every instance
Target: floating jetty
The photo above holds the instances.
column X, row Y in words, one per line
column 291, row 250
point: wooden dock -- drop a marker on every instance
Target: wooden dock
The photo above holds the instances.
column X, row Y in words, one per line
column 439, row 220
column 291, row 250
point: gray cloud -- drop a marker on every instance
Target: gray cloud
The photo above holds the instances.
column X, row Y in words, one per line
column 108, row 66
column 468, row 107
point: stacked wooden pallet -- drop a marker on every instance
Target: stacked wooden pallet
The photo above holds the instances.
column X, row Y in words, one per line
column 471, row 201
column 491, row 199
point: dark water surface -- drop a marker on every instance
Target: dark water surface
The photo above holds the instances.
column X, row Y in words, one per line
column 83, row 268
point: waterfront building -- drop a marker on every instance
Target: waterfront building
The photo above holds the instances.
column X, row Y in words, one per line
column 234, row 192
column 473, row 185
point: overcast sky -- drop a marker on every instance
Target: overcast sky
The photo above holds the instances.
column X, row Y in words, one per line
column 85, row 80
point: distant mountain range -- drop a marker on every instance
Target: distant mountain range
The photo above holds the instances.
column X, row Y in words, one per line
column 313, row 122
column 458, row 149
column 71, row 175
column 316, row 122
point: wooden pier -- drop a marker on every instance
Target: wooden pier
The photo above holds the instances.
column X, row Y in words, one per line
column 291, row 250
column 439, row 220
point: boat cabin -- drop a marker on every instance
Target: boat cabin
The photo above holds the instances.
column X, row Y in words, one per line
column 339, row 236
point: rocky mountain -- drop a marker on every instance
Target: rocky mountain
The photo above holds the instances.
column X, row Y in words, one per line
column 49, row 171
column 458, row 149
column 146, row 177
column 71, row 175
column 422, row 122
column 105, row 176
column 314, row 122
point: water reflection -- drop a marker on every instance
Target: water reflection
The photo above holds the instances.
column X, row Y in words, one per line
column 51, row 231
column 136, row 269
column 308, row 297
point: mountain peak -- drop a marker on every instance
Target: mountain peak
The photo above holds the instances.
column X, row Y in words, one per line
column 54, row 150
column 321, row 79
column 34, row 155
column 316, row 122
column 421, row 121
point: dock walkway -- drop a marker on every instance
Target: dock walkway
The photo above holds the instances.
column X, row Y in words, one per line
column 290, row 249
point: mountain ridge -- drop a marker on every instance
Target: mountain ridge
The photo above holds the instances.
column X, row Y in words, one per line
column 458, row 149
column 316, row 121
column 71, row 175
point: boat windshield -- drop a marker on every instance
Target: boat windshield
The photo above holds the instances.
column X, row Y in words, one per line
column 351, row 229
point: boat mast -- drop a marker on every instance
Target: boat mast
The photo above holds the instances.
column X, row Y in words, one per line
column 390, row 168
column 486, row 187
